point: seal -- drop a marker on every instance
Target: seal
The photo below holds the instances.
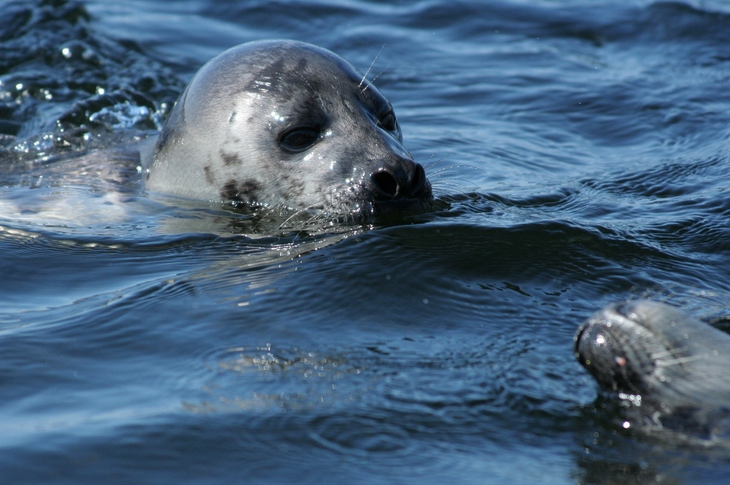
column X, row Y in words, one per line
column 668, row 369
column 285, row 123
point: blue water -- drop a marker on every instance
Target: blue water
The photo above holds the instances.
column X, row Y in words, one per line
column 580, row 154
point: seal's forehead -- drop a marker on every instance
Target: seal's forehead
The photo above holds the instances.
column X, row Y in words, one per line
column 281, row 73
column 277, row 66
column 296, row 55
column 284, row 65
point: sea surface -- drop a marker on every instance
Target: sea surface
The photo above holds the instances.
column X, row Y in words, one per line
column 580, row 154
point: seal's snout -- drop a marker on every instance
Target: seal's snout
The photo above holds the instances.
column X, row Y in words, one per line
column 617, row 349
column 405, row 181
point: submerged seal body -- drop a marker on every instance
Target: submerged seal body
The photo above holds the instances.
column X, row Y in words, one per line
column 284, row 123
column 669, row 369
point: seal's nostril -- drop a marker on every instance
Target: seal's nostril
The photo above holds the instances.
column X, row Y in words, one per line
column 385, row 182
column 418, row 181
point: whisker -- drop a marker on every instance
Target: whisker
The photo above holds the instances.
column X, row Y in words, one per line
column 439, row 148
column 373, row 79
column 364, row 77
column 441, row 171
column 662, row 355
column 680, row 360
column 260, row 214
column 300, row 211
column 320, row 216
column 451, row 189
column 430, row 163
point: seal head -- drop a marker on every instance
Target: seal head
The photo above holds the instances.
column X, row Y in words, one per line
column 284, row 123
column 667, row 368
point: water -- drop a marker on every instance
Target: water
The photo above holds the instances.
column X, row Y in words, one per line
column 579, row 148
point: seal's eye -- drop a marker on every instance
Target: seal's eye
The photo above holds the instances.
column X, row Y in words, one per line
column 388, row 122
column 299, row 138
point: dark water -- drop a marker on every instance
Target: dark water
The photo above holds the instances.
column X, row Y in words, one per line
column 582, row 147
